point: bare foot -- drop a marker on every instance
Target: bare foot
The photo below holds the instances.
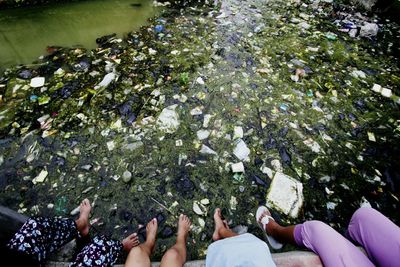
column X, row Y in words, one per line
column 218, row 224
column 226, row 224
column 83, row 221
column 151, row 232
column 184, row 224
column 129, row 242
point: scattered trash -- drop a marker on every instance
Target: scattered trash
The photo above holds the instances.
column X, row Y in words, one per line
column 106, row 80
column 199, row 208
column 371, row 137
column 241, row 151
column 40, row 178
column 159, row 28
column 127, row 176
column 286, row 195
column 203, row 134
column 200, row 81
column 206, row 150
column 37, row 82
column 237, row 167
column 168, row 121
column 369, row 30
column 238, row 132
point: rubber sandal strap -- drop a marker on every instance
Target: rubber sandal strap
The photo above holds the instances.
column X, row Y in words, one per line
column 265, row 219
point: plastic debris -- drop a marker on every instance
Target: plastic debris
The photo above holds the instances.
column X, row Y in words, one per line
column 270, row 88
column 41, row 177
column 200, row 81
column 369, row 30
column 331, row 36
column 110, row 145
column 37, row 82
column 33, row 98
column 314, row 146
column 241, row 151
column 127, row 176
column 205, row 201
column 159, row 28
column 383, row 91
column 286, row 195
column 106, row 80
column 237, row 167
column 75, row 211
column 237, row 132
column 206, row 150
column 267, row 171
column 371, row 137
column 233, row 203
column 386, row 92
column 238, row 177
column 199, row 208
column 203, row 134
column 168, row 121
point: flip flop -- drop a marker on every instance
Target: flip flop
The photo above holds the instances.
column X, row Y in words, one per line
column 263, row 222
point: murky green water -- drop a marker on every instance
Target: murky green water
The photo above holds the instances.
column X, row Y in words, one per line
column 299, row 94
column 26, row 32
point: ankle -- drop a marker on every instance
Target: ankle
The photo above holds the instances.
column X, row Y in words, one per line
column 270, row 228
column 181, row 239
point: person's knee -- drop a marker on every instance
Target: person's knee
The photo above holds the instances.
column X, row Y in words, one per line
column 363, row 214
column 137, row 257
column 318, row 229
column 317, row 226
column 136, row 251
column 172, row 255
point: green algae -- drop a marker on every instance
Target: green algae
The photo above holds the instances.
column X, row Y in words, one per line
column 247, row 83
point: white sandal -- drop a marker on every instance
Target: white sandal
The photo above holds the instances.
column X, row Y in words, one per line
column 263, row 223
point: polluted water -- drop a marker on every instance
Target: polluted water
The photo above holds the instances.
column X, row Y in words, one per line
column 228, row 104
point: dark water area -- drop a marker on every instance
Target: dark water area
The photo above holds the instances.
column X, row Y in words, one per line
column 153, row 126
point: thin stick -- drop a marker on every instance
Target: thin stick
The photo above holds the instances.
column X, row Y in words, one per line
column 161, row 205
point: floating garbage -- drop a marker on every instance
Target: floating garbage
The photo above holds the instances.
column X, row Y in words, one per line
column 237, row 167
column 241, row 151
column 37, row 82
column 194, row 108
column 237, row 132
column 369, row 30
column 200, row 81
column 206, row 150
column 168, row 121
column 199, row 208
column 383, row 91
column 286, row 195
column 127, row 176
column 203, row 134
column 33, row 98
column 159, row 28
column 106, row 80
column 41, row 177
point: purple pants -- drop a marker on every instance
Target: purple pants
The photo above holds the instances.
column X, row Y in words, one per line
column 373, row 231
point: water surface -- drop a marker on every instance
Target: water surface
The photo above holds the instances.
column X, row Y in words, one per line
column 26, row 32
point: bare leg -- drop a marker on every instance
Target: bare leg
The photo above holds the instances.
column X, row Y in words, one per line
column 280, row 233
column 176, row 256
column 82, row 222
column 139, row 256
column 221, row 227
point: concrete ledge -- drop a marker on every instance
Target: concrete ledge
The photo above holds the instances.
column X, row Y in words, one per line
column 286, row 259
